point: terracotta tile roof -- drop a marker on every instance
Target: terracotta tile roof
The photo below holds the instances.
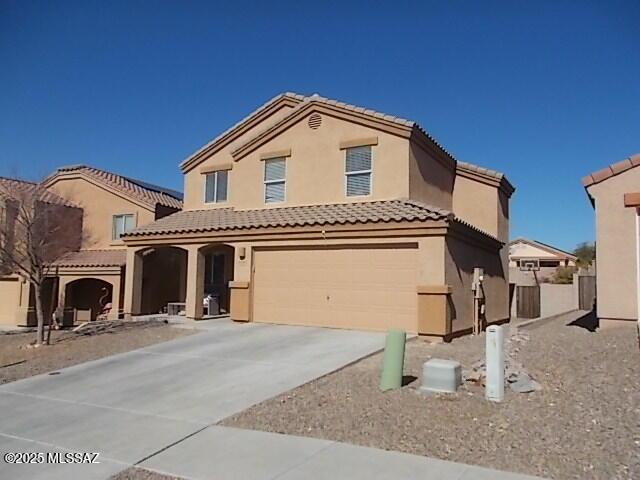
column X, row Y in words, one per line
column 303, row 101
column 315, row 98
column 14, row 188
column 146, row 193
column 93, row 258
column 219, row 219
column 499, row 177
column 238, row 124
column 611, row 170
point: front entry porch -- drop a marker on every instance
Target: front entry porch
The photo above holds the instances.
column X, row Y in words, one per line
column 197, row 277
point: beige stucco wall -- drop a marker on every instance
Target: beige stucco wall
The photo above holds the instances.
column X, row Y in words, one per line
column 99, row 205
column 430, row 181
column 315, row 169
column 478, row 203
column 193, row 178
column 615, row 246
column 485, row 207
column 461, row 258
column 14, row 301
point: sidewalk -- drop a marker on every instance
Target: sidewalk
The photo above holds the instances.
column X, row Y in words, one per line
column 230, row 453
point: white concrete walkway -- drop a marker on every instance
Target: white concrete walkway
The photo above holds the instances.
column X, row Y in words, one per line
column 157, row 406
column 229, row 453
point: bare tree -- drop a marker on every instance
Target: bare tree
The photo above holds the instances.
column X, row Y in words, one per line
column 36, row 228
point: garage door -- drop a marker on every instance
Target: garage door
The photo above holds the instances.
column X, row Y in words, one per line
column 359, row 288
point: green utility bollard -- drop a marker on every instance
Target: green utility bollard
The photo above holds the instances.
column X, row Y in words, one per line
column 393, row 361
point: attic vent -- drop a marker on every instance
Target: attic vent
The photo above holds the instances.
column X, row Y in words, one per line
column 315, row 121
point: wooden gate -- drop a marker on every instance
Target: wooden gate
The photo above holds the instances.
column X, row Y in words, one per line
column 528, row 301
column 586, row 292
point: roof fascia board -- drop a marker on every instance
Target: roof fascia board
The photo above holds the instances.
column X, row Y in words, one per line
column 334, row 111
column 415, row 228
column 58, row 176
column 263, row 112
column 546, row 248
column 423, row 141
column 501, row 184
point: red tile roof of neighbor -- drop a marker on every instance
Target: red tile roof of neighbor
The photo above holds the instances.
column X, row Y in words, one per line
column 93, row 258
column 146, row 193
column 612, row 170
column 15, row 188
column 222, row 219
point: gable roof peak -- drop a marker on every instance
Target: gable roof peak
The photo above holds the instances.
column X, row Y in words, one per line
column 145, row 193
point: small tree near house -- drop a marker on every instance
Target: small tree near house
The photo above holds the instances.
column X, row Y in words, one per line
column 36, row 228
column 586, row 253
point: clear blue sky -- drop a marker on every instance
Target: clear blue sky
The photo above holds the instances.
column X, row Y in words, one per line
column 543, row 91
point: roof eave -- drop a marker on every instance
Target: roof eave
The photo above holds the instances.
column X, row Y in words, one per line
column 232, row 133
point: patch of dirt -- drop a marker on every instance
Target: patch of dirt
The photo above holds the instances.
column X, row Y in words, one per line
column 583, row 424
column 135, row 473
column 19, row 359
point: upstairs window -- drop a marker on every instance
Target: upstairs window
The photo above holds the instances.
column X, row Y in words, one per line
column 215, row 187
column 358, row 171
column 275, row 171
column 122, row 224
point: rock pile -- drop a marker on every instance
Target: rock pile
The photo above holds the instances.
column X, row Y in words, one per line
column 516, row 376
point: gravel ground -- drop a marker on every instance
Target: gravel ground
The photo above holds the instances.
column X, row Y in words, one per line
column 584, row 424
column 135, row 473
column 18, row 359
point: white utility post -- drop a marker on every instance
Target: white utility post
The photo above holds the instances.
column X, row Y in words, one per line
column 494, row 389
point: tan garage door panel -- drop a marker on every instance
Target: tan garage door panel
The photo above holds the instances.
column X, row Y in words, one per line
column 360, row 288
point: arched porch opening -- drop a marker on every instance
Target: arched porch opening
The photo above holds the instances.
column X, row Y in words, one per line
column 164, row 278
column 89, row 295
column 218, row 272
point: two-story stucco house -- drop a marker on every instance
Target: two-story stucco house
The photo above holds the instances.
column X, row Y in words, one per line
column 90, row 280
column 310, row 211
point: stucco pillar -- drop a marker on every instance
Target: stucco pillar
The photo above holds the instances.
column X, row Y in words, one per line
column 195, row 282
column 133, row 282
column 22, row 316
column 434, row 295
column 63, row 281
column 115, row 299
column 240, row 287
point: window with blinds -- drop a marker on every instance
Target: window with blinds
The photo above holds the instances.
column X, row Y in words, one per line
column 215, row 187
column 122, row 224
column 358, row 171
column 275, row 171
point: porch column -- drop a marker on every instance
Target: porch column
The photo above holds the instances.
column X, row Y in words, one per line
column 133, row 282
column 195, row 282
column 62, row 295
column 240, row 287
column 115, row 299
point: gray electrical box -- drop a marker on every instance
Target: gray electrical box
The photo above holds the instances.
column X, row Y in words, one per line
column 440, row 375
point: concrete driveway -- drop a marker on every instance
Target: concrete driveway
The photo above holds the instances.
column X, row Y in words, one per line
column 131, row 406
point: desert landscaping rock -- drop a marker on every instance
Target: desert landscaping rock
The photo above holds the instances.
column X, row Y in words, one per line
column 135, row 473
column 584, row 424
column 18, row 359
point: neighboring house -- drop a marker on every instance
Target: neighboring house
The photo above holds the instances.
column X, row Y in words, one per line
column 92, row 278
column 313, row 212
column 532, row 262
column 615, row 195
column 52, row 221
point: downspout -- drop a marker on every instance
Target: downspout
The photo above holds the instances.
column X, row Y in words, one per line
column 638, row 272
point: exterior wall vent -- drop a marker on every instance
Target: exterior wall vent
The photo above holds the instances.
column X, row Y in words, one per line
column 315, row 120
